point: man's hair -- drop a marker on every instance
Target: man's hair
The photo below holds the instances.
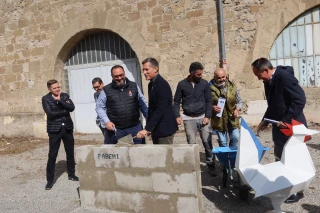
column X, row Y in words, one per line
column 261, row 64
column 194, row 66
column 153, row 62
column 50, row 82
column 97, row 79
column 115, row 67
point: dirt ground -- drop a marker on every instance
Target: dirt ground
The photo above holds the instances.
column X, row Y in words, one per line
column 22, row 180
column 19, row 145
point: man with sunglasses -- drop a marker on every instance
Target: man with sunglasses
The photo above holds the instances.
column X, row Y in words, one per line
column 119, row 105
column 97, row 85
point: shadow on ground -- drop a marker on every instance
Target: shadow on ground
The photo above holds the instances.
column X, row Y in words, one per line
column 314, row 146
column 311, row 208
column 227, row 199
column 61, row 167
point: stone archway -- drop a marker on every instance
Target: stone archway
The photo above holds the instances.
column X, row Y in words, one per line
column 72, row 32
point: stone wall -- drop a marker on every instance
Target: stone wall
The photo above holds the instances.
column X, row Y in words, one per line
column 143, row 178
column 36, row 37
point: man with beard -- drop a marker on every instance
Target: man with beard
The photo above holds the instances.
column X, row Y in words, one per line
column 118, row 107
column 227, row 104
column 194, row 92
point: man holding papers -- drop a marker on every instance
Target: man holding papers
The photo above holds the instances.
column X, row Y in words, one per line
column 227, row 104
column 286, row 100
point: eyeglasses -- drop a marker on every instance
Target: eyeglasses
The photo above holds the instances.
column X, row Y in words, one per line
column 96, row 87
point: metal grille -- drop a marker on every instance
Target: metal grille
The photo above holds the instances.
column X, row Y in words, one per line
column 100, row 47
column 299, row 46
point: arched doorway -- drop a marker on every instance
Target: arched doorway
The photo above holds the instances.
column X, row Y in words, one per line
column 93, row 56
column 298, row 45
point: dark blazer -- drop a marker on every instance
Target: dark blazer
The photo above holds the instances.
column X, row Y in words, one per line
column 58, row 112
column 286, row 99
column 161, row 121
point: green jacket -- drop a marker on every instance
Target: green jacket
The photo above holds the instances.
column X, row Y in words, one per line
column 220, row 124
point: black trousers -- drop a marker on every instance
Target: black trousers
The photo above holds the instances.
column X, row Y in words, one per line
column 54, row 145
column 279, row 140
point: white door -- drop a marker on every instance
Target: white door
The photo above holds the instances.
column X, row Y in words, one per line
column 81, row 91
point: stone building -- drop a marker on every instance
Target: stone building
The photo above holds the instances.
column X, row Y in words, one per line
column 75, row 41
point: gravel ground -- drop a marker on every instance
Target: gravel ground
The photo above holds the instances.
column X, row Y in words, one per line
column 22, row 184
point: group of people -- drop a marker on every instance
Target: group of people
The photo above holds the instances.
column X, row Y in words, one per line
column 206, row 106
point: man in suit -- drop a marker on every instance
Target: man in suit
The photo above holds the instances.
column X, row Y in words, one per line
column 161, row 123
column 97, row 85
column 118, row 107
column 57, row 106
column 286, row 100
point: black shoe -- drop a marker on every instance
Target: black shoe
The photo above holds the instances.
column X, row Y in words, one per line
column 73, row 178
column 294, row 198
column 49, row 185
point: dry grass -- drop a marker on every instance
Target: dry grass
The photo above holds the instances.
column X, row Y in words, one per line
column 19, row 145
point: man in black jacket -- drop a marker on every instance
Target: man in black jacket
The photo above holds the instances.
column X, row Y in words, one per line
column 195, row 95
column 286, row 100
column 57, row 106
column 161, row 123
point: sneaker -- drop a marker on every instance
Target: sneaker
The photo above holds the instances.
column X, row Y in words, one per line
column 73, row 178
column 49, row 185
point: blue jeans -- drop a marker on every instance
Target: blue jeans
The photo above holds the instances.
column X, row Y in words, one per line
column 111, row 137
column 233, row 136
column 191, row 127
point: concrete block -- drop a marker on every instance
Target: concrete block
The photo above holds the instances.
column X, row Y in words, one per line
column 185, row 157
column 256, row 107
column 87, row 198
column 187, row 205
column 119, row 201
column 175, row 183
column 148, row 156
column 110, row 156
column 97, row 179
column 82, row 153
column 134, row 202
column 134, row 181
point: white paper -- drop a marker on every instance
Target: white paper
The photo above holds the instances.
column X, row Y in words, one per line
column 271, row 121
column 221, row 103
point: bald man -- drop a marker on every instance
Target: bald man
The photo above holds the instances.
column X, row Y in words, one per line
column 227, row 104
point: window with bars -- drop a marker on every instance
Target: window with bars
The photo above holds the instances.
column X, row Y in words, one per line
column 299, row 46
column 100, row 47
